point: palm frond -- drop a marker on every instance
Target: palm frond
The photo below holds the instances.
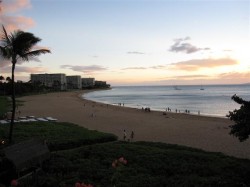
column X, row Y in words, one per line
column 21, row 42
column 5, row 36
column 34, row 53
column 24, row 42
column 4, row 52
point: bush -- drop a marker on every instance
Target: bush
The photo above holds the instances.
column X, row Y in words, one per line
column 149, row 164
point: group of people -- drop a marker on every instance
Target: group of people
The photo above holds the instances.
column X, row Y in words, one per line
column 125, row 136
column 186, row 111
column 147, row 109
column 120, row 104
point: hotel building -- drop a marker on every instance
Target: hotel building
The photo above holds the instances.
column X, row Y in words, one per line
column 56, row 81
column 74, row 82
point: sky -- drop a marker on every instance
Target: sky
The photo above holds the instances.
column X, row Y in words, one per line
column 135, row 42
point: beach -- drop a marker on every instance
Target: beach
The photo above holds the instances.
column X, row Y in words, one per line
column 207, row 133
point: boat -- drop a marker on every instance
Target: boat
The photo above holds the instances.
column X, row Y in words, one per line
column 202, row 88
column 176, row 88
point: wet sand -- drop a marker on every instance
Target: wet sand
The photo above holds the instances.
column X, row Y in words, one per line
column 207, row 133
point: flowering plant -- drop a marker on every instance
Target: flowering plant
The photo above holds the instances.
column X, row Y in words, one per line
column 13, row 183
column 118, row 164
column 78, row 184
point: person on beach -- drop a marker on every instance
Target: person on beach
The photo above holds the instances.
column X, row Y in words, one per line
column 124, row 135
column 132, row 136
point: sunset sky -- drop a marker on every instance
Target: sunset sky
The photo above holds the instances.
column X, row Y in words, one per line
column 136, row 42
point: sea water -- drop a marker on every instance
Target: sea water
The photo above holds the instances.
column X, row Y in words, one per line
column 211, row 100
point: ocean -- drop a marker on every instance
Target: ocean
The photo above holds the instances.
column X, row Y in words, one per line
column 208, row 100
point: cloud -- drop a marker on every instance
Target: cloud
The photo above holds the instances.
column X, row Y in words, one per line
column 181, row 46
column 22, row 69
column 235, row 75
column 135, row 52
column 228, row 50
column 12, row 6
column 3, row 62
column 25, row 69
column 135, row 68
column 94, row 56
column 144, row 68
column 158, row 67
column 12, row 23
column 195, row 64
column 223, row 78
column 9, row 17
column 188, row 77
column 85, row 69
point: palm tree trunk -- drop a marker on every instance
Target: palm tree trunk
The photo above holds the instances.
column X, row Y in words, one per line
column 13, row 97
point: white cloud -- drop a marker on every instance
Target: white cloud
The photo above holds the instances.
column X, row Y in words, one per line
column 181, row 46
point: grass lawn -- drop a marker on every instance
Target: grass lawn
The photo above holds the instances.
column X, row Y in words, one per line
column 59, row 136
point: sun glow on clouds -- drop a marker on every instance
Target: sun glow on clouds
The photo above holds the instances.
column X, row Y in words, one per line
column 196, row 64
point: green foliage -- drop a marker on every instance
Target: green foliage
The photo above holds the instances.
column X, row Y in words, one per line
column 241, row 117
column 22, row 88
column 59, row 136
column 149, row 164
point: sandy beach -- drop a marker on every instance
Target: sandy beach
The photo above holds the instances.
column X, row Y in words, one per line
column 207, row 133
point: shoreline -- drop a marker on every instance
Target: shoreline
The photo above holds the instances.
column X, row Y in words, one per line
column 202, row 132
column 156, row 110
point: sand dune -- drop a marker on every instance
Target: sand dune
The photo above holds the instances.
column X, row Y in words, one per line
column 207, row 133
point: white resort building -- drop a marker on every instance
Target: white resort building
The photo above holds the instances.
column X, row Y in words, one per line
column 74, row 82
column 59, row 81
column 88, row 82
column 56, row 81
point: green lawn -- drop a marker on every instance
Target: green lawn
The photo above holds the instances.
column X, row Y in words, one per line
column 59, row 136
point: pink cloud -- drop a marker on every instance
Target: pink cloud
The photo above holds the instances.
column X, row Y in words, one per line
column 12, row 23
column 9, row 17
column 85, row 69
column 196, row 64
column 12, row 6
column 223, row 78
column 235, row 75
column 23, row 69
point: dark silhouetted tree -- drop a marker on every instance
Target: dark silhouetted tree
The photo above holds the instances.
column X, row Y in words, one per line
column 1, row 78
column 15, row 46
column 241, row 117
column 8, row 79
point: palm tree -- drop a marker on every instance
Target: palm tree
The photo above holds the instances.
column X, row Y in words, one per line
column 15, row 46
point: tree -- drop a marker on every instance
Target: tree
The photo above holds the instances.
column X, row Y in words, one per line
column 241, row 117
column 1, row 78
column 8, row 79
column 15, row 46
